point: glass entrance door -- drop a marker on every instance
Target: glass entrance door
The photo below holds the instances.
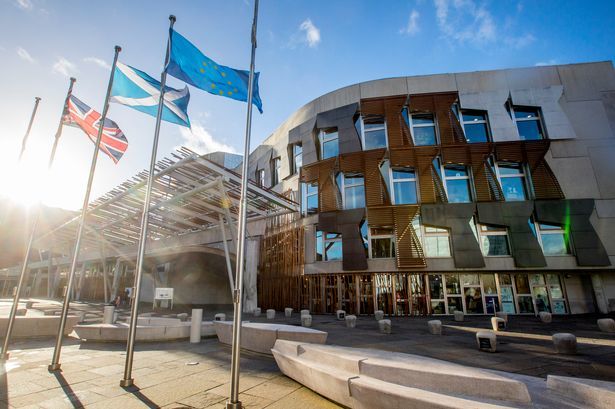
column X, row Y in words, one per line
column 402, row 305
column 418, row 296
column 366, row 294
column 472, row 294
column 384, row 293
column 506, row 293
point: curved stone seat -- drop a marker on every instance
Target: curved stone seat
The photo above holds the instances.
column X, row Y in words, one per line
column 148, row 329
column 38, row 326
column 261, row 337
column 364, row 378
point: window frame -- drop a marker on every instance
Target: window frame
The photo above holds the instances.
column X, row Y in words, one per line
column 293, row 154
column 445, row 178
column 392, row 182
column 343, row 186
column 422, row 233
column 480, row 231
column 276, row 168
column 386, row 134
column 305, row 195
column 260, row 177
column 324, row 240
column 539, row 231
column 523, row 175
column 435, row 126
column 538, row 118
column 390, row 236
column 323, row 139
column 484, row 121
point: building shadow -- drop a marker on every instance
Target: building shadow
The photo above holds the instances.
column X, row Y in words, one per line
column 68, row 391
column 136, row 392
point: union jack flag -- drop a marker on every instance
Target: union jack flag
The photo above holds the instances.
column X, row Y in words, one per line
column 79, row 115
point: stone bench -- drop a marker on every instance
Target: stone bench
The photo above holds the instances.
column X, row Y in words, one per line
column 288, row 312
column 545, row 317
column 565, row 343
column 304, row 312
column 351, row 321
column 589, row 393
column 384, row 326
column 379, row 315
column 306, row 320
column 261, row 337
column 486, row 340
column 435, row 327
column 270, row 314
column 38, row 326
column 606, row 324
column 498, row 324
column 148, row 329
column 257, row 312
column 458, row 316
column 220, row 317
column 340, row 315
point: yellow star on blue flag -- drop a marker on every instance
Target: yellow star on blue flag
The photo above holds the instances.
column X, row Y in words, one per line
column 190, row 65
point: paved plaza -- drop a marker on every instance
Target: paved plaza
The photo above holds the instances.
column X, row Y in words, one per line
column 183, row 375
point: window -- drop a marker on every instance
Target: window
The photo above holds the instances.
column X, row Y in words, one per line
column 309, row 198
column 493, row 240
column 512, row 180
column 329, row 147
column 436, row 291
column 382, row 241
column 404, row 186
column 374, row 134
column 475, row 126
column 328, row 246
column 352, row 186
column 529, row 123
column 435, row 240
column 456, row 182
column 260, row 177
column 297, row 158
column 423, row 129
column 554, row 240
column 275, row 171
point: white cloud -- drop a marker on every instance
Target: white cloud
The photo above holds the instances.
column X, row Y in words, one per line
column 521, row 41
column 543, row 63
column 312, row 33
column 201, row 140
column 465, row 21
column 25, row 4
column 413, row 24
column 25, row 55
column 100, row 62
column 64, row 67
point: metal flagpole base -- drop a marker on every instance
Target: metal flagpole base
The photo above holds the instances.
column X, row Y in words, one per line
column 126, row 383
column 54, row 367
column 231, row 405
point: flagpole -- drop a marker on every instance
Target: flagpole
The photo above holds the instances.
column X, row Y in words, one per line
column 24, row 268
column 234, row 402
column 25, row 138
column 55, row 361
column 132, row 332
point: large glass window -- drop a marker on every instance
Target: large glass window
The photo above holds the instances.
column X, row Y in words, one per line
column 529, row 123
column 275, row 171
column 297, row 155
column 404, row 185
column 555, row 241
column 382, row 243
column 423, row 129
column 493, row 240
column 453, row 293
column 512, row 179
column 329, row 144
column 374, row 134
column 309, row 198
column 475, row 126
column 457, row 183
column 524, row 295
column 328, row 246
column 354, row 190
column 436, row 291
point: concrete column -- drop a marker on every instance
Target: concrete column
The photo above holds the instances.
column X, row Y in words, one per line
column 250, row 294
column 195, row 326
column 601, row 300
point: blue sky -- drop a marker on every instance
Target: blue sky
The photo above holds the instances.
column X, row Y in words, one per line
column 306, row 49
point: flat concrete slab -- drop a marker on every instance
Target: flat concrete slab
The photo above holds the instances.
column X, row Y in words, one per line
column 589, row 393
column 38, row 326
column 148, row 330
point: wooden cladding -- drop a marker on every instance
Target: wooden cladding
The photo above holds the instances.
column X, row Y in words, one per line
column 390, row 108
column 409, row 253
column 324, row 172
column 368, row 164
column 282, row 247
column 441, row 106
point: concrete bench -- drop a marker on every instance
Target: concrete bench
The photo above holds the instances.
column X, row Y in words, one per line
column 384, row 326
column 288, row 312
column 261, row 337
column 351, row 321
column 306, row 320
column 458, row 316
column 340, row 315
column 220, row 317
column 498, row 324
column 38, row 326
column 589, row 393
column 503, row 315
column 545, row 317
column 565, row 343
column 379, row 315
column 304, row 312
column 435, row 327
column 486, row 340
column 152, row 331
column 270, row 314
column 606, row 324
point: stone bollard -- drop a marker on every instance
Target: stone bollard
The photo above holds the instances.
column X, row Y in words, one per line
column 545, row 317
column 340, row 315
column 498, row 324
column 379, row 315
column 565, row 343
column 183, row 316
column 606, row 324
column 220, row 317
column 458, row 316
column 288, row 312
column 351, row 321
column 486, row 341
column 384, row 326
column 108, row 314
column 435, row 327
column 306, row 320
column 503, row 315
column 81, row 315
column 257, row 312
column 305, row 312
column 270, row 314
column 195, row 325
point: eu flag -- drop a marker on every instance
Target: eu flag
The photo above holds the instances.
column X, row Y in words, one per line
column 190, row 65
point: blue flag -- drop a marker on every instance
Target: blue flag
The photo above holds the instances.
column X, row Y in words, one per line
column 138, row 90
column 190, row 65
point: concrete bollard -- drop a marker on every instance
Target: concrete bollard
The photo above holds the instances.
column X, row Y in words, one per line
column 108, row 314
column 257, row 312
column 305, row 312
column 340, row 315
column 486, row 340
column 183, row 316
column 270, row 314
column 379, row 315
column 288, row 312
column 503, row 315
column 220, row 317
column 458, row 316
column 606, row 324
column 435, row 327
column 498, row 324
column 351, row 321
column 306, row 320
column 29, row 304
column 81, row 315
column 565, row 343
column 195, row 325
column 384, row 326
column 545, row 317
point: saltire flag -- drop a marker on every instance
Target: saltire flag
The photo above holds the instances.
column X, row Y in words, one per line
column 190, row 65
column 138, row 90
column 80, row 115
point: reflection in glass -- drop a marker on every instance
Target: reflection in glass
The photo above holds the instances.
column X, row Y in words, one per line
column 508, row 302
column 452, row 284
column 470, row 279
column 522, row 283
column 435, row 286
column 383, row 247
column 554, row 244
column 474, row 300
column 492, row 303
column 513, row 188
column 494, row 245
column 525, row 304
column 437, row 246
column 437, row 307
column 458, row 190
column 454, row 304
column 542, row 299
column 489, row 284
column 529, row 130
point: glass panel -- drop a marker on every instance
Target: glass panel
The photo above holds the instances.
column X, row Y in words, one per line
column 404, row 174
column 494, row 245
column 469, row 116
column 474, row 300
column 437, row 307
column 436, row 290
column 510, row 168
column 355, row 197
column 549, row 226
column 492, row 303
column 319, row 246
column 312, row 204
column 514, row 188
column 525, row 113
column 417, row 291
column 364, row 237
column 553, row 279
column 542, row 299
column 525, row 304
column 422, row 119
column 489, row 284
column 529, row 130
column 454, row 304
column 556, row 291
column 458, row 191
column 505, row 279
column 508, row 303
column 536, row 279
column 330, row 149
column 559, row 307
column 384, row 293
column 383, row 248
column 404, row 192
column 375, row 139
column 455, row 170
column 333, row 250
column 425, row 135
column 402, row 306
column 452, row 284
column 522, row 283
column 373, row 123
column 470, row 279
column 437, row 247
column 554, row 244
column 476, row 133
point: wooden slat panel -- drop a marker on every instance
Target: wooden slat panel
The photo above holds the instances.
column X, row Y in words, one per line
column 328, row 192
column 375, row 188
column 409, row 252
